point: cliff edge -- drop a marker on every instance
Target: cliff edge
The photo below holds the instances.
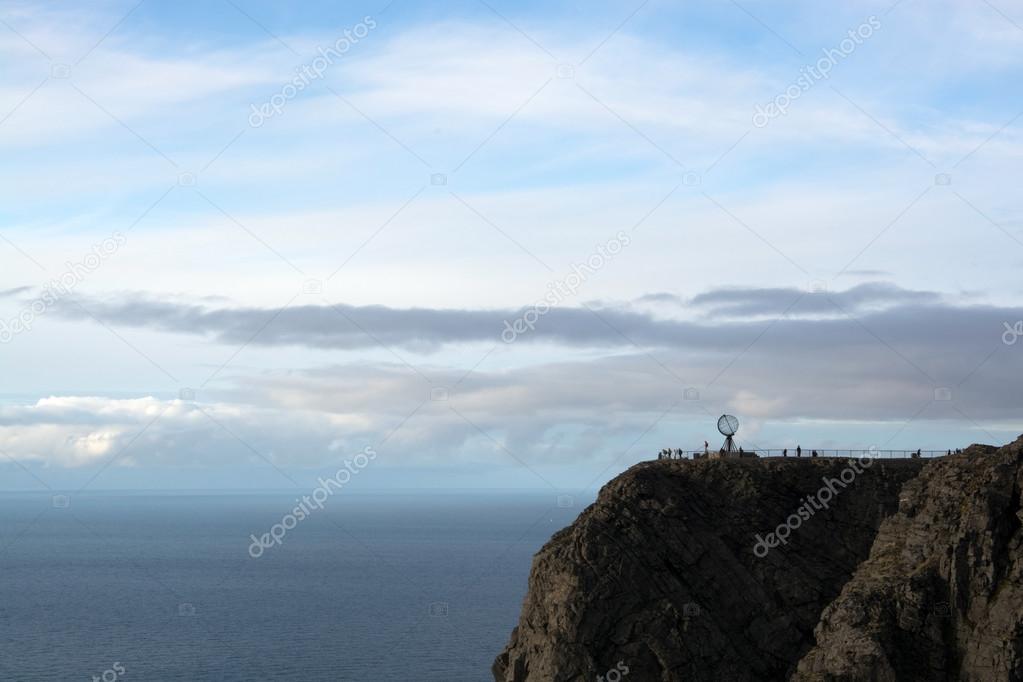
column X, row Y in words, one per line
column 941, row 596
column 777, row 569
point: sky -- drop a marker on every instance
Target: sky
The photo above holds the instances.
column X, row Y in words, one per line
column 503, row 245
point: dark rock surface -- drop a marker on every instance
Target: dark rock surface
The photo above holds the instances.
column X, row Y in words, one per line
column 660, row 573
column 941, row 596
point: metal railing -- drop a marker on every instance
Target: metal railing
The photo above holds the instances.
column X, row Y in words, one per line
column 808, row 452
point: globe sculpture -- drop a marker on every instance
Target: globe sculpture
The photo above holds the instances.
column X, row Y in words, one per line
column 728, row 425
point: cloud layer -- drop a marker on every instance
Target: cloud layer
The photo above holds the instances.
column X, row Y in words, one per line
column 920, row 323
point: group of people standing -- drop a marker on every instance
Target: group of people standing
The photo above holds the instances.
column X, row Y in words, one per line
column 679, row 453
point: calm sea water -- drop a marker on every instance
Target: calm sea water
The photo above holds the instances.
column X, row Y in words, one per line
column 372, row 587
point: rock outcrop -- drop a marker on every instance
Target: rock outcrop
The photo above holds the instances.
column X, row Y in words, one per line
column 911, row 572
column 941, row 596
column 660, row 572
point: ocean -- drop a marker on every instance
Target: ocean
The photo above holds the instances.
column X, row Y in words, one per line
column 161, row 586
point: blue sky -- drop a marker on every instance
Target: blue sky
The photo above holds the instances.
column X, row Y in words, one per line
column 313, row 279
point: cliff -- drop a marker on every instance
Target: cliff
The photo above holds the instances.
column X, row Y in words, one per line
column 941, row 596
column 727, row 569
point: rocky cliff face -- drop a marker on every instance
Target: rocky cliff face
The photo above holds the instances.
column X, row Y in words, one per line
column 904, row 570
column 941, row 596
column 661, row 572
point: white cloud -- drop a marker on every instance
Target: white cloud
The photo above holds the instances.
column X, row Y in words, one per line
column 73, row 431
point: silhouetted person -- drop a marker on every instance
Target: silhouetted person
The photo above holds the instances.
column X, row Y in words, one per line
column 785, row 452
column 706, row 447
column 813, row 454
column 799, row 451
